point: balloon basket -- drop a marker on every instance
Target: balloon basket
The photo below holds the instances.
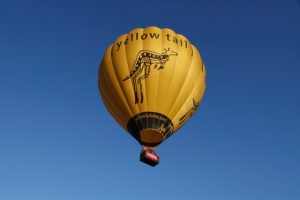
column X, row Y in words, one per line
column 149, row 157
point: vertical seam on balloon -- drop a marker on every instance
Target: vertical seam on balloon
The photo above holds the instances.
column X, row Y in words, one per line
column 182, row 86
column 131, row 81
column 189, row 65
column 190, row 94
column 117, row 100
column 173, row 72
column 129, row 68
column 145, row 92
column 159, row 73
column 174, row 66
column 128, row 110
column 110, row 107
column 192, row 90
column 113, row 67
column 113, row 93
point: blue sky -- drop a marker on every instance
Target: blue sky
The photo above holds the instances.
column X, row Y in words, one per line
column 57, row 142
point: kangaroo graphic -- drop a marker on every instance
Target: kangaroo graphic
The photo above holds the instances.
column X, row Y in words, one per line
column 144, row 60
column 189, row 113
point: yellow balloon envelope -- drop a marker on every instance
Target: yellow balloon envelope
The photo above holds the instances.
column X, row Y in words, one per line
column 152, row 81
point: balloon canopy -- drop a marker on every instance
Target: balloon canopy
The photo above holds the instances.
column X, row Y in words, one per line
column 152, row 81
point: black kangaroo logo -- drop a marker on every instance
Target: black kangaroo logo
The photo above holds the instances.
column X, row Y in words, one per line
column 189, row 113
column 145, row 59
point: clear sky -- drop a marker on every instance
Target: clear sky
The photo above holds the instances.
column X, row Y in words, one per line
column 57, row 142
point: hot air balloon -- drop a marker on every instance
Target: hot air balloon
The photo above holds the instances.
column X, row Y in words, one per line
column 151, row 81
